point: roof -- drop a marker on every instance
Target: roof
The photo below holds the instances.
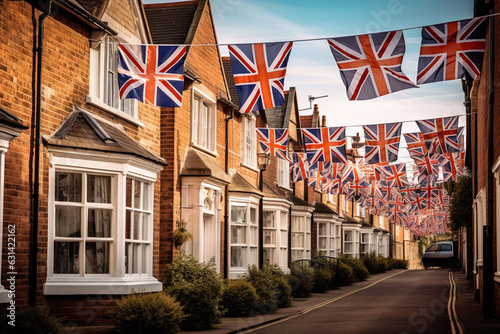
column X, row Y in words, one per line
column 198, row 163
column 298, row 201
column 239, row 184
column 169, row 23
column 94, row 7
column 11, row 120
column 86, row 131
column 276, row 115
column 228, row 72
column 323, row 208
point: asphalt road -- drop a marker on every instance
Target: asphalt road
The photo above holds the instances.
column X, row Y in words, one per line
column 410, row 302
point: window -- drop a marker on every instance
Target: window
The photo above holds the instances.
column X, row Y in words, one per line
column 275, row 238
column 100, row 228
column 283, row 173
column 104, row 90
column 243, row 236
column 365, row 243
column 348, row 242
column 203, row 131
column 327, row 238
column 346, row 204
column 249, row 142
column 301, row 237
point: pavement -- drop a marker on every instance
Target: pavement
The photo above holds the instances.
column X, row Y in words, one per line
column 469, row 312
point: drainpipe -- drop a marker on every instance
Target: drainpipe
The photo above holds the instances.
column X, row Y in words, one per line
column 226, row 196
column 488, row 283
column 37, row 63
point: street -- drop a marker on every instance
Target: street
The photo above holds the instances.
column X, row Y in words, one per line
column 414, row 301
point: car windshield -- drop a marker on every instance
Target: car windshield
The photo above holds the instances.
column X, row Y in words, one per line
column 433, row 248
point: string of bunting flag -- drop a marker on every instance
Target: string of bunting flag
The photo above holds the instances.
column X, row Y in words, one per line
column 370, row 66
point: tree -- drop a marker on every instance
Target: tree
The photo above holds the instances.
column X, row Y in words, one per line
column 461, row 203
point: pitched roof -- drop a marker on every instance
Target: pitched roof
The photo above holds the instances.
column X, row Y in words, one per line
column 239, row 184
column 85, row 131
column 228, row 72
column 198, row 163
column 11, row 120
column 276, row 115
column 169, row 23
column 94, row 7
column 323, row 208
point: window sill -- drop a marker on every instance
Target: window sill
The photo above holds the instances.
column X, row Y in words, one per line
column 204, row 150
column 4, row 295
column 105, row 286
column 255, row 169
column 115, row 112
column 285, row 188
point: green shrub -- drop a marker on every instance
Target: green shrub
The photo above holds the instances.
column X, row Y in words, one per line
column 266, row 288
column 373, row 263
column 283, row 292
column 322, row 279
column 301, row 279
column 383, row 266
column 344, row 274
column 359, row 270
column 33, row 319
column 396, row 263
column 148, row 313
column 198, row 288
column 238, row 298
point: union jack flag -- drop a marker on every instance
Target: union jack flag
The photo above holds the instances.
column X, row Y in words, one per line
column 382, row 142
column 450, row 166
column 395, row 175
column 152, row 73
column 416, row 144
column 370, row 65
column 418, row 201
column 450, row 50
column 259, row 74
column 325, row 144
column 440, row 134
column 274, row 142
column 426, row 165
column 300, row 166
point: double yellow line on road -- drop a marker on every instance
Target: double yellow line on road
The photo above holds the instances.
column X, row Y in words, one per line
column 326, row 302
column 456, row 324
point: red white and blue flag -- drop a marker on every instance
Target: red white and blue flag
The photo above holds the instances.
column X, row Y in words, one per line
column 300, row 166
column 416, row 144
column 325, row 144
column 450, row 50
column 370, row 65
column 274, row 142
column 395, row 175
column 259, row 74
column 382, row 142
column 440, row 134
column 152, row 73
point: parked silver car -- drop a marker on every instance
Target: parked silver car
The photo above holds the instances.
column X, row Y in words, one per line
column 438, row 254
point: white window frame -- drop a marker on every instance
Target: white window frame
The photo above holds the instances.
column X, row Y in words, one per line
column 203, row 121
column 283, row 173
column 496, row 173
column 365, row 243
column 249, row 142
column 280, row 209
column 99, row 81
column 118, row 281
column 302, row 251
column 4, row 145
column 354, row 242
column 250, row 244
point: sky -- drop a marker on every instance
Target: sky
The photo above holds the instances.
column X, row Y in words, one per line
column 312, row 68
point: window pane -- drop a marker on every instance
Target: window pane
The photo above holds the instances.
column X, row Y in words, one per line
column 128, row 226
column 297, row 240
column 298, row 224
column 137, row 194
column 97, row 257
column 238, row 214
column 268, row 255
column 322, row 243
column 254, row 236
column 253, row 216
column 68, row 187
column 238, row 235
column 66, row 255
column 136, row 258
column 145, row 256
column 128, row 200
column 68, row 221
column 238, row 256
column 99, row 224
column 284, row 220
column 145, row 226
column 146, row 205
column 128, row 257
column 268, row 219
column 322, row 229
column 269, row 237
column 137, row 222
column 98, row 189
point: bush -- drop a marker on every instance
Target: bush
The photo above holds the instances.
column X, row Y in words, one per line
column 373, row 263
column 322, row 279
column 301, row 279
column 358, row 268
column 383, row 265
column 198, row 288
column 33, row 319
column 344, row 275
column 266, row 288
column 148, row 313
column 238, row 298
column 396, row 264
column 283, row 292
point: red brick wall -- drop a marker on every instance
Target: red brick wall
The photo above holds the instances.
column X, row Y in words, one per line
column 65, row 82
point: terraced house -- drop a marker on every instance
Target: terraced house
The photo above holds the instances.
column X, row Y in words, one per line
column 92, row 187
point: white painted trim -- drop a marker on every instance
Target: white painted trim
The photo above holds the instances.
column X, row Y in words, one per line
column 249, row 167
column 115, row 112
column 111, row 286
column 497, row 277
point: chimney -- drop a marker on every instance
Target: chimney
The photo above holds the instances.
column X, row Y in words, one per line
column 323, row 121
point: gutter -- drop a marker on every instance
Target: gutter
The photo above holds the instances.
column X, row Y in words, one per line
column 226, row 196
